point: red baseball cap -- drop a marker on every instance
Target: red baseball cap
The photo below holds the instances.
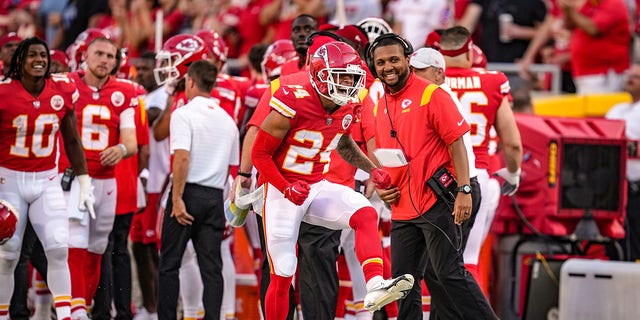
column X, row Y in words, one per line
column 353, row 33
column 58, row 55
column 10, row 37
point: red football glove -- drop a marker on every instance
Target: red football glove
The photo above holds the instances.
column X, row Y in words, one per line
column 381, row 178
column 297, row 192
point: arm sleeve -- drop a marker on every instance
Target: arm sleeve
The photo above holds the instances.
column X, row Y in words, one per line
column 262, row 157
column 127, row 120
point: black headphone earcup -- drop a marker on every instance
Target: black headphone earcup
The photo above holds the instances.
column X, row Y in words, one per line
column 368, row 58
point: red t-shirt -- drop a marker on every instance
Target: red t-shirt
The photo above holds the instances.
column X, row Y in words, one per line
column 29, row 126
column 610, row 50
column 98, row 114
column 480, row 92
column 426, row 122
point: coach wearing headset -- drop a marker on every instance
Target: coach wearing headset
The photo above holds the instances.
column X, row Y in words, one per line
column 419, row 121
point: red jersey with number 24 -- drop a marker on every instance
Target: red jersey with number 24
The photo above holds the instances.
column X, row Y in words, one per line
column 305, row 150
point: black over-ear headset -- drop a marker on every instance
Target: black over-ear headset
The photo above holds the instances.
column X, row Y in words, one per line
column 406, row 47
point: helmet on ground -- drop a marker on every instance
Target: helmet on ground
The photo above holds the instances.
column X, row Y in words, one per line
column 8, row 221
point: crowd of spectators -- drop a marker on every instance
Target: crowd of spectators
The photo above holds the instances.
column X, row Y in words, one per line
column 558, row 32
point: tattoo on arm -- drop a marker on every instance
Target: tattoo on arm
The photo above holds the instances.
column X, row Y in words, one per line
column 350, row 152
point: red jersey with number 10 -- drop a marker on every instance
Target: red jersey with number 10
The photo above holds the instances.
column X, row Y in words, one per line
column 305, row 150
column 29, row 126
column 480, row 92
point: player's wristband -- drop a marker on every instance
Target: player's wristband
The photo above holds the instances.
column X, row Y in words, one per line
column 123, row 148
column 244, row 174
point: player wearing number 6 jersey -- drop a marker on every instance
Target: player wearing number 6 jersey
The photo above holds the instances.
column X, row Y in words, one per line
column 291, row 152
column 485, row 97
column 107, row 128
column 34, row 107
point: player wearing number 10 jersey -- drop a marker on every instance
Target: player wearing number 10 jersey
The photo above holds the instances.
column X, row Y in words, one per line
column 485, row 97
column 34, row 107
column 107, row 128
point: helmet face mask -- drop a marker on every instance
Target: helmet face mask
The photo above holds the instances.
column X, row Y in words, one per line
column 178, row 52
column 165, row 70
column 336, row 72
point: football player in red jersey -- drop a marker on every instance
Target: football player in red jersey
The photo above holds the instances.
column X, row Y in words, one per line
column 484, row 96
column 108, row 132
column 317, row 281
column 291, row 152
column 37, row 104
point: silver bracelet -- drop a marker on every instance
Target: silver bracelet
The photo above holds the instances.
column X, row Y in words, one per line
column 123, row 148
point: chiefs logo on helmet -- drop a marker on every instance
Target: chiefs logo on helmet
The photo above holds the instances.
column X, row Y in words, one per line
column 8, row 221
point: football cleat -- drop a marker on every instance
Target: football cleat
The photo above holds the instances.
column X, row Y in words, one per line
column 388, row 291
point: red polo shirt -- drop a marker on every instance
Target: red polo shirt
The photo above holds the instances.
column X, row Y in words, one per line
column 426, row 121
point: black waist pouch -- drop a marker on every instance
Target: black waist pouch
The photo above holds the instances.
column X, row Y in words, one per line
column 444, row 185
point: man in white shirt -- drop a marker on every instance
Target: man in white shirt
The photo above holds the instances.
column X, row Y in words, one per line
column 630, row 113
column 205, row 142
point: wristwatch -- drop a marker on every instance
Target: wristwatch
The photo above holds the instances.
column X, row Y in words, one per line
column 465, row 188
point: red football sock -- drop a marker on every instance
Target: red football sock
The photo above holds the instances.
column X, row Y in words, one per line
column 76, row 259
column 344, row 288
column 93, row 265
column 426, row 298
column 364, row 224
column 277, row 298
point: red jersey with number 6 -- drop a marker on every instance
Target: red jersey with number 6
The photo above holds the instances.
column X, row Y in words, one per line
column 305, row 151
column 480, row 92
column 29, row 126
column 98, row 113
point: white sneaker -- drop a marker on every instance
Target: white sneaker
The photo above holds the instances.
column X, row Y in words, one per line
column 387, row 291
column 142, row 314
